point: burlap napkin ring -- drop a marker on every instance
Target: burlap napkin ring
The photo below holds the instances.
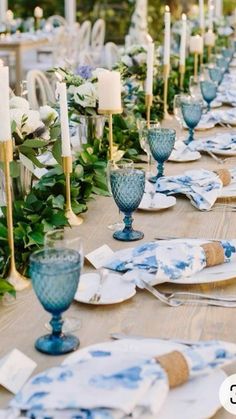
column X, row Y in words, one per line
column 214, row 252
column 176, row 368
column 225, row 176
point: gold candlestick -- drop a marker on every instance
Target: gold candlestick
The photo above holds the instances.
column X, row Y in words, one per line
column 166, row 84
column 182, row 73
column 73, row 219
column 148, row 101
column 14, row 277
column 209, row 51
column 195, row 66
column 110, row 137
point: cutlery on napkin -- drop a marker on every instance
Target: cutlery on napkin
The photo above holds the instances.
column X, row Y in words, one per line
column 163, row 261
column 119, row 380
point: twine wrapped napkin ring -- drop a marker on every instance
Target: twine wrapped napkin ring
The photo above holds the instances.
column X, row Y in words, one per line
column 225, row 176
column 176, row 368
column 214, row 252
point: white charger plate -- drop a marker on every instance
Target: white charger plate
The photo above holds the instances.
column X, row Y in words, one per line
column 185, row 157
column 229, row 153
column 191, row 400
column 204, row 126
column 114, row 290
column 160, row 202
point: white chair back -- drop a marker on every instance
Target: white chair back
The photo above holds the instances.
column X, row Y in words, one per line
column 85, row 35
column 111, row 54
column 73, row 45
column 40, row 92
column 98, row 34
column 56, row 21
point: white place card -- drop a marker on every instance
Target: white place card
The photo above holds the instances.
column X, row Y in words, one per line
column 100, row 256
column 15, row 369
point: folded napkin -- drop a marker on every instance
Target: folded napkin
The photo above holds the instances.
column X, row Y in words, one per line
column 227, row 96
column 217, row 142
column 121, row 379
column 169, row 260
column 202, row 187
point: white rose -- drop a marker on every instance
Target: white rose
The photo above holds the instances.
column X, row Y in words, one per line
column 85, row 95
column 127, row 60
column 48, row 114
column 17, row 102
column 97, row 71
column 141, row 58
column 31, row 120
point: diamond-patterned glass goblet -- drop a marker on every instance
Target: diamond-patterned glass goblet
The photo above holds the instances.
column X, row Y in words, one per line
column 209, row 91
column 127, row 186
column 161, row 143
column 192, row 112
column 55, row 277
column 223, row 63
column 216, row 74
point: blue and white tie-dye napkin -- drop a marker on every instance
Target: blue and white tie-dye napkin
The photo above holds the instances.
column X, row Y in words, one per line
column 202, row 187
column 218, row 142
column 116, row 381
column 166, row 260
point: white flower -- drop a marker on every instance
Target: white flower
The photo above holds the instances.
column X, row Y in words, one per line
column 85, row 95
column 17, row 102
column 141, row 57
column 48, row 114
column 97, row 71
column 26, row 122
column 127, row 60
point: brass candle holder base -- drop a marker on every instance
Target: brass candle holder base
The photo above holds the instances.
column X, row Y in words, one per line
column 166, row 72
column 73, row 219
column 182, row 73
column 110, row 113
column 14, row 277
column 148, row 102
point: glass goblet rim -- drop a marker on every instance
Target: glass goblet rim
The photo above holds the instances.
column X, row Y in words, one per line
column 171, row 131
column 35, row 261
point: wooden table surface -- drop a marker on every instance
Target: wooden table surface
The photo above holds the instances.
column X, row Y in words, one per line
column 23, row 321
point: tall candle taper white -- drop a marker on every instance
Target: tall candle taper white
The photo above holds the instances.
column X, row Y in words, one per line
column 150, row 64
column 183, row 40
column 5, row 125
column 218, row 9
column 70, row 11
column 210, row 13
column 65, row 133
column 109, row 91
column 201, row 16
column 167, row 19
column 3, row 10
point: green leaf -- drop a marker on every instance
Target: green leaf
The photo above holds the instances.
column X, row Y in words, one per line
column 56, row 151
column 35, row 143
column 15, row 169
column 6, row 287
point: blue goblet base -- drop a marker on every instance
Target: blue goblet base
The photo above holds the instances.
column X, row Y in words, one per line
column 153, row 179
column 128, row 236
column 57, row 345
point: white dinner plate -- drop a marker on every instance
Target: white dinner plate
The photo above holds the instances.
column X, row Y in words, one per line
column 190, row 400
column 205, row 125
column 159, row 202
column 216, row 104
column 185, row 157
column 229, row 191
column 229, row 153
column 114, row 290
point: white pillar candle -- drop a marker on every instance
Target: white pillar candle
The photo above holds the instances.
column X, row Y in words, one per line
column 70, row 12
column 109, row 91
column 196, row 44
column 5, row 125
column 183, row 40
column 210, row 13
column 218, row 9
column 167, row 20
column 3, row 10
column 201, row 15
column 65, row 133
column 209, row 38
column 150, row 64
column 38, row 12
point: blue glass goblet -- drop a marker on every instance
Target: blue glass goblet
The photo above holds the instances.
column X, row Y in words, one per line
column 127, row 186
column 228, row 53
column 161, row 142
column 216, row 74
column 55, row 277
column 192, row 112
column 209, row 92
column 223, row 63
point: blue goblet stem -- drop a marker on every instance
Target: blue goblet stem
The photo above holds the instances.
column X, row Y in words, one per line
column 160, row 170
column 128, row 221
column 190, row 137
column 56, row 322
column 208, row 107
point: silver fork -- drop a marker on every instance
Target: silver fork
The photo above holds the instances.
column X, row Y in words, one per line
column 198, row 295
column 98, row 294
column 218, row 159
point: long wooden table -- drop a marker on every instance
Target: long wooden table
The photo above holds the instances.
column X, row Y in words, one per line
column 23, row 321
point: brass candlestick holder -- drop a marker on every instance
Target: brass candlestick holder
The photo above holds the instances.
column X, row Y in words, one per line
column 149, row 99
column 166, row 72
column 14, row 277
column 110, row 113
column 195, row 66
column 209, row 52
column 73, row 219
column 182, row 73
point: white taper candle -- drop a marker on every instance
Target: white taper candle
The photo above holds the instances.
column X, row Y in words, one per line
column 167, row 20
column 109, row 91
column 183, row 40
column 65, row 133
column 5, row 124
